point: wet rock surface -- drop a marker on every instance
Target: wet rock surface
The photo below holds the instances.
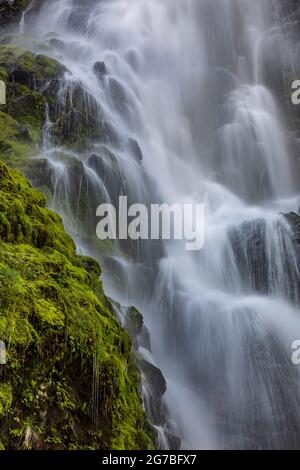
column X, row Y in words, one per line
column 11, row 10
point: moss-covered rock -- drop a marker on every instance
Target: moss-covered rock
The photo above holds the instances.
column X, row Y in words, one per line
column 134, row 322
column 69, row 381
column 16, row 143
column 26, row 68
column 32, row 82
column 77, row 118
column 10, row 10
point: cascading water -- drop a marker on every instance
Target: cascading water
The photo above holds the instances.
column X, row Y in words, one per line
column 178, row 96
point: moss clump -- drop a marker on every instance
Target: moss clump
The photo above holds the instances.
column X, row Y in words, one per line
column 11, row 11
column 28, row 110
column 5, row 398
column 69, row 381
column 31, row 82
column 16, row 143
column 25, row 68
column 78, row 118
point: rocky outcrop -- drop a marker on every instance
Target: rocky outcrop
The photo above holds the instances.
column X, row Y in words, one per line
column 294, row 221
column 258, row 261
column 69, row 381
column 10, row 10
column 154, row 382
column 31, row 82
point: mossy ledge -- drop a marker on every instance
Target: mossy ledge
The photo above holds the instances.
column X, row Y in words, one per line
column 10, row 11
column 31, row 84
column 69, row 381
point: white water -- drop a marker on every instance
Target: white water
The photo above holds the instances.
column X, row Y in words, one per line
column 192, row 90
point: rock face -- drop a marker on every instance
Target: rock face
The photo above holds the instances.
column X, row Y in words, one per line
column 256, row 261
column 31, row 82
column 69, row 381
column 153, row 376
column 36, row 80
column 100, row 69
column 10, row 10
column 154, row 382
column 294, row 221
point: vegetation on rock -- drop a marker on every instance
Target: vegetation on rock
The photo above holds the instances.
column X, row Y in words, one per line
column 70, row 381
column 10, row 11
column 31, row 81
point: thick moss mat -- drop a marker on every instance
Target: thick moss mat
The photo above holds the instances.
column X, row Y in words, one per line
column 69, row 382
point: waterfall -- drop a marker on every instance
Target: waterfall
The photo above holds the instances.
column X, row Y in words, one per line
column 179, row 101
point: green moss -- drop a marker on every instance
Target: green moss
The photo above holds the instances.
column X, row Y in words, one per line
column 29, row 110
column 9, row 53
column 28, row 78
column 69, row 377
column 6, row 398
column 3, row 74
column 27, row 68
column 15, row 140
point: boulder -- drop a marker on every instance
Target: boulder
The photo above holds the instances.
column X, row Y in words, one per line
column 135, row 150
column 134, row 322
column 10, row 11
column 100, row 69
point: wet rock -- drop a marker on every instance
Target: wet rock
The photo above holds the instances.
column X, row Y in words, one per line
column 156, row 387
column 91, row 265
column 78, row 116
column 174, row 441
column 25, row 68
column 24, row 77
column 72, row 128
column 10, row 11
column 294, row 221
column 255, row 263
column 97, row 164
column 100, row 69
column 138, row 332
column 77, row 18
column 57, row 44
column 132, row 59
column 134, row 322
column 248, row 245
column 39, row 172
column 118, row 95
column 144, row 338
column 28, row 108
column 135, row 150
column 105, row 165
column 154, row 377
column 24, row 134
